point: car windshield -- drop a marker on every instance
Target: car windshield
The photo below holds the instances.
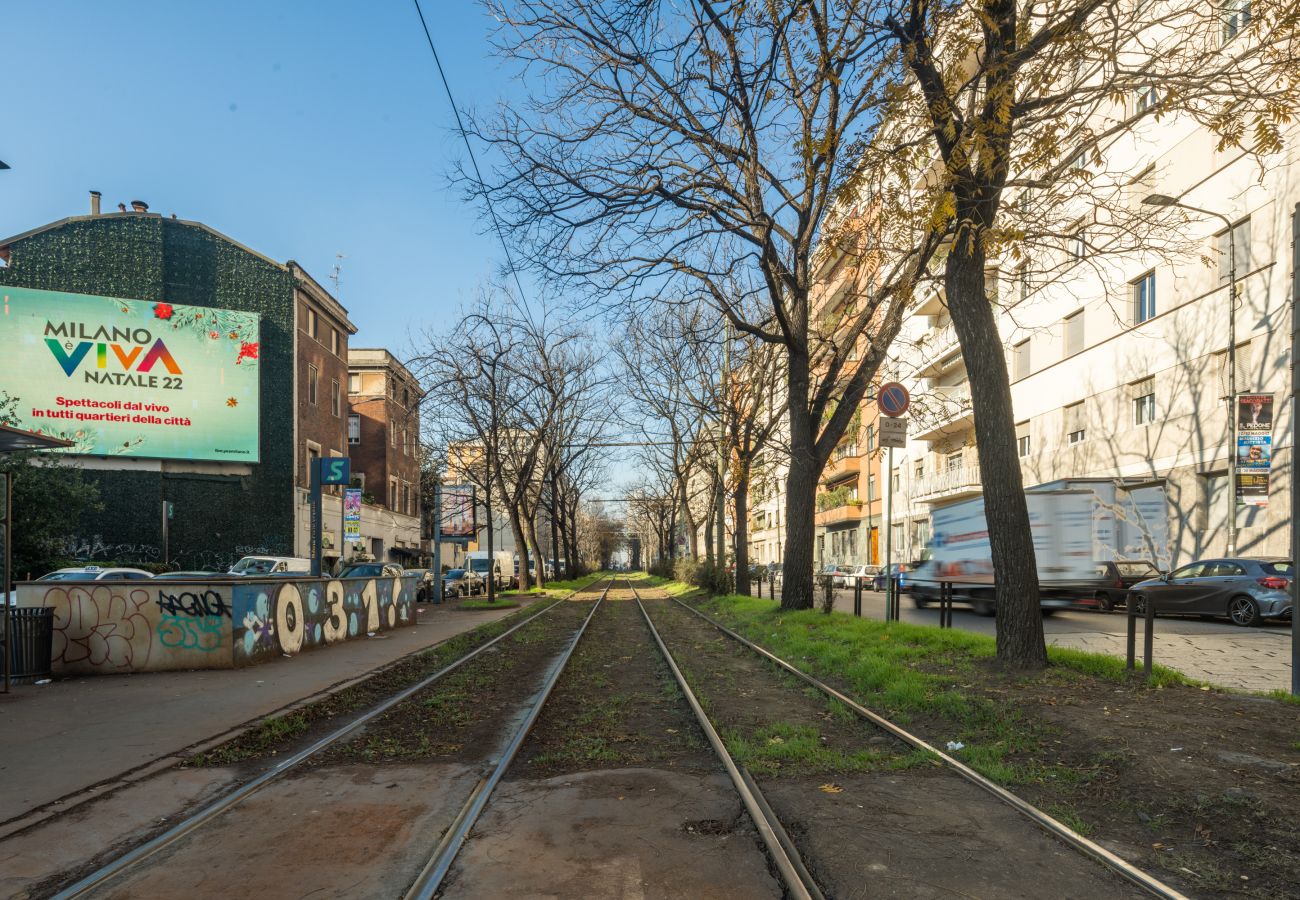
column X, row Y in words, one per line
column 455, row 574
column 253, row 566
column 478, row 565
column 68, row 576
column 363, row 571
column 1278, row 568
column 1140, row 569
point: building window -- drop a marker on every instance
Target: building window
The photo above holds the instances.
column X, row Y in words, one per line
column 871, row 438
column 406, row 398
column 1235, row 15
column 1238, row 251
column 1075, row 430
column 406, row 442
column 954, row 461
column 393, row 436
column 871, row 488
column 334, row 341
column 1144, row 298
column 1146, row 99
column 335, row 397
column 920, row 469
column 354, row 429
column 354, row 384
column 392, row 493
column 313, row 454
column 312, row 322
column 313, row 376
column 1079, row 162
column 896, row 483
column 1144, row 404
column 1022, row 280
column 1074, row 333
column 1022, row 439
column 1079, row 241
column 1021, row 364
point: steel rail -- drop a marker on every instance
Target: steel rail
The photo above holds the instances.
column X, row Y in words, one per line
column 769, row 829
column 1063, row 832
column 219, row 806
column 426, row 884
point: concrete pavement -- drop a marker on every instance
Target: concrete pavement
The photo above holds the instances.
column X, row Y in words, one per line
column 1223, row 654
column 63, row 738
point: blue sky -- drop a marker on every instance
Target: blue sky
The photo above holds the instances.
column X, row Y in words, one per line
column 301, row 129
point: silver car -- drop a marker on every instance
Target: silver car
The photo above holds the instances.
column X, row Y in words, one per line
column 1245, row 589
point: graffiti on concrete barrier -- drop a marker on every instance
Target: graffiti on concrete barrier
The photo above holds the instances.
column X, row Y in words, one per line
column 195, row 602
column 191, row 632
column 286, row 618
column 105, row 626
column 95, row 548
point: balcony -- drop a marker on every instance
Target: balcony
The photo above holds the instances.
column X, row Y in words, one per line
column 848, row 512
column 950, row 484
column 947, row 411
column 841, row 468
column 934, row 347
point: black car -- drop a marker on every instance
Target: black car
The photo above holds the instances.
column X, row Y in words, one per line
column 370, row 570
column 462, row 583
column 1120, row 575
column 1245, row 589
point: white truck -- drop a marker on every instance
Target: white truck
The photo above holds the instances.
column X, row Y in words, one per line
column 1061, row 522
column 501, row 566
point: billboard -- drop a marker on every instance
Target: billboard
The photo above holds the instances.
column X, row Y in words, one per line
column 457, row 516
column 352, row 515
column 131, row 377
column 1254, row 448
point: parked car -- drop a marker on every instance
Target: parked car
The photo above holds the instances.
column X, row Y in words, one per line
column 887, row 572
column 843, row 575
column 272, row 565
column 774, row 573
column 1245, row 589
column 195, row 576
column 864, row 575
column 370, row 570
column 463, row 583
column 1119, row 576
column 95, row 573
column 424, row 584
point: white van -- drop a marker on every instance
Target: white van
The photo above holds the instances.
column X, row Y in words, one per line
column 251, row 566
column 502, row 567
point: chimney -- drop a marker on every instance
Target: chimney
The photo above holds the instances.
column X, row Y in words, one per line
column 139, row 206
column 94, row 203
column 121, row 207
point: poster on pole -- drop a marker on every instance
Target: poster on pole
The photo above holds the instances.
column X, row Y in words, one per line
column 457, row 516
column 352, row 515
column 1254, row 448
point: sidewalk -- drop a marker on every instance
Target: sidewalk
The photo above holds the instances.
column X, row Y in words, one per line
column 61, row 738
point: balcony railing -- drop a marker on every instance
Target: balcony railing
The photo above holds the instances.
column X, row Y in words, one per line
column 849, row 512
column 947, row 406
column 947, row 484
column 841, row 467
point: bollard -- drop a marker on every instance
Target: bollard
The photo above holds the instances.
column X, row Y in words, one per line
column 945, row 604
column 760, row 588
column 857, row 597
column 895, row 607
column 1148, row 638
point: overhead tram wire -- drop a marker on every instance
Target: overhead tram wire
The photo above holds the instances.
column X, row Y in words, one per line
column 464, row 136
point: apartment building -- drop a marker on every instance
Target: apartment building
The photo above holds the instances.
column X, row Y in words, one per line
column 383, row 431
column 1119, row 362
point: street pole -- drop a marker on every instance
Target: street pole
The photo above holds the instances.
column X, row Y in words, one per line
column 1295, row 439
column 8, row 581
column 889, row 528
column 315, row 519
column 1232, row 389
column 437, row 542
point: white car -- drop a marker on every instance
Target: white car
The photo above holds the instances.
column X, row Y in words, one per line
column 96, row 573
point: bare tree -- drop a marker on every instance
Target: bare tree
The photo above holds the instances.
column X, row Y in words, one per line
column 687, row 151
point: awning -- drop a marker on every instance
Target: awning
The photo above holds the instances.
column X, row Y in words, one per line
column 15, row 439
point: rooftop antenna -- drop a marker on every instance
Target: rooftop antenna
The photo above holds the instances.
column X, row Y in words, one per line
column 336, row 274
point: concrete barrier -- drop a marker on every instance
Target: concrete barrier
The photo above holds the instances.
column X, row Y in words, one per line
column 111, row 627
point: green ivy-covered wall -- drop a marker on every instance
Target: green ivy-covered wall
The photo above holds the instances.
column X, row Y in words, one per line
column 217, row 518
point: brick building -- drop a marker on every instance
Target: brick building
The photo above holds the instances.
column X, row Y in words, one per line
column 384, row 444
column 321, row 372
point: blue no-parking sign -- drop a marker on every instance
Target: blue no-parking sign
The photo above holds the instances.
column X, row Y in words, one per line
column 893, row 399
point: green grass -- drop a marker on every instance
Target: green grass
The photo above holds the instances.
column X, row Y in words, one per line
column 920, row 673
column 664, row 585
column 488, row 604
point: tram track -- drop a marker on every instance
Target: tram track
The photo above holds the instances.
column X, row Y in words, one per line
column 106, row 878
column 1135, row 877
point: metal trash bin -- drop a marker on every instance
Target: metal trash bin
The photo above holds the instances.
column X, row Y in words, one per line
column 33, row 635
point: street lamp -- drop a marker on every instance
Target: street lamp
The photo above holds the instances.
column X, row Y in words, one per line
column 1166, row 200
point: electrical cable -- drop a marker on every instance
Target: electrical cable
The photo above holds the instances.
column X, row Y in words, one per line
column 464, row 136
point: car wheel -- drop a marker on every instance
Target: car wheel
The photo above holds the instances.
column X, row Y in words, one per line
column 920, row 602
column 1104, row 602
column 1243, row 611
column 982, row 606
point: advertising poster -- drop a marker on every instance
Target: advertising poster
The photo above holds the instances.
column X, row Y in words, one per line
column 1254, row 447
column 352, row 515
column 130, row 377
column 458, row 519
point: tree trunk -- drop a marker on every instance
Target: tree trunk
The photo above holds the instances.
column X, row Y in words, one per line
column 692, row 541
column 490, row 574
column 521, row 549
column 537, row 552
column 709, row 524
column 720, row 510
column 1019, row 619
column 555, row 531
column 741, row 495
column 797, row 589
